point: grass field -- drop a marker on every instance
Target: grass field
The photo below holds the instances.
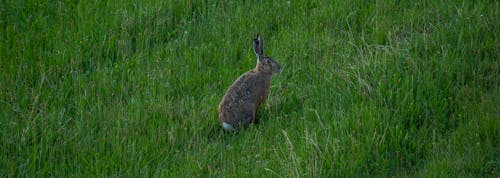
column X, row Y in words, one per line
column 131, row 88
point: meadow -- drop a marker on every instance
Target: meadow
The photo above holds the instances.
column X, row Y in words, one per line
column 367, row 88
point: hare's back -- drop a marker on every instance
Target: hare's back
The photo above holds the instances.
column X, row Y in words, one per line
column 242, row 90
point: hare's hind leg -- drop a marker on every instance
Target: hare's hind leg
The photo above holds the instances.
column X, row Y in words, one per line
column 249, row 117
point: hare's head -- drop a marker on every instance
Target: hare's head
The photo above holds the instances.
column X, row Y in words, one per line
column 264, row 63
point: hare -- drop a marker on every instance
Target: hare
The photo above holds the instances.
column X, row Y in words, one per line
column 242, row 100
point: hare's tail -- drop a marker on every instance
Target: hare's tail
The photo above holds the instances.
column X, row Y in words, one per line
column 227, row 127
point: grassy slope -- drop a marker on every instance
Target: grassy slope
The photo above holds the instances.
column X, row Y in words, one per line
column 132, row 88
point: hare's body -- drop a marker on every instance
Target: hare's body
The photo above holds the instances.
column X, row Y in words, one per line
column 242, row 100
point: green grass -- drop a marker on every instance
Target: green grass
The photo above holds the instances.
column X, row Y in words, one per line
column 131, row 88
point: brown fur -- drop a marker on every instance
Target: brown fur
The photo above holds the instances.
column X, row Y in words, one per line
column 242, row 100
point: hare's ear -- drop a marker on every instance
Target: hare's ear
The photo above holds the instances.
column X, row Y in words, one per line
column 258, row 46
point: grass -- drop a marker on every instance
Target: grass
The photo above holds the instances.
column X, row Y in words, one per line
column 131, row 88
